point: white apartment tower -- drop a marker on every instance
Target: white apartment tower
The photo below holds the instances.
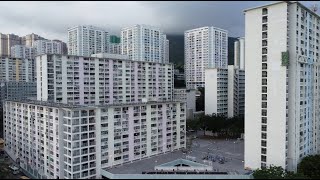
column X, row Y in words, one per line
column 282, row 85
column 216, row 91
column 87, row 40
column 48, row 47
column 94, row 80
column 239, row 54
column 205, row 47
column 224, row 91
column 145, row 43
column 22, row 51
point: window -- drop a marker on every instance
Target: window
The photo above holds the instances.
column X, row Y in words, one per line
column 264, row 143
column 264, row 97
column 264, row 120
column 264, row 82
column 264, row 104
column 264, row 158
column 264, row 127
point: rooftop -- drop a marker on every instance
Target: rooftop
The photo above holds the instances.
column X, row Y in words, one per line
column 72, row 106
column 290, row 2
column 113, row 58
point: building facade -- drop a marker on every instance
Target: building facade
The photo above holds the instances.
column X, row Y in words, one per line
column 239, row 53
column 188, row 96
column 282, row 84
column 115, row 48
column 216, row 91
column 48, row 47
column 22, row 51
column 145, row 43
column 59, row 141
column 94, row 80
column 205, row 47
column 17, row 90
column 28, row 40
column 87, row 40
column 63, row 46
column 236, row 91
column 224, row 91
column 6, row 42
column 16, row 69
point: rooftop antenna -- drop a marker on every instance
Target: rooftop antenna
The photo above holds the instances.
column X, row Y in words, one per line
column 314, row 8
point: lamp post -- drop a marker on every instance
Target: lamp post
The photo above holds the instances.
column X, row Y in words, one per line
column 234, row 147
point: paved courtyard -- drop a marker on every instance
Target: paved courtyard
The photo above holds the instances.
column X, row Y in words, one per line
column 231, row 150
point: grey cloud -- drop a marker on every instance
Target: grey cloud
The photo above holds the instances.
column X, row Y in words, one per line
column 52, row 19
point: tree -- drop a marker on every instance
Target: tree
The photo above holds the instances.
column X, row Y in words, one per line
column 310, row 166
column 276, row 172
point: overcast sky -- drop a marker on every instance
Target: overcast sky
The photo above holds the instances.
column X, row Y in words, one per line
column 52, row 19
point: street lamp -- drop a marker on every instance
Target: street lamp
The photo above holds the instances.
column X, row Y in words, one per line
column 234, row 147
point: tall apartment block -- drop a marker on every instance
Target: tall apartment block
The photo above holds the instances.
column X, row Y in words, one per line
column 29, row 40
column 6, row 42
column 188, row 96
column 236, row 91
column 224, row 91
column 70, row 142
column 48, row 47
column 23, row 52
column 239, row 53
column 93, row 80
column 282, row 85
column 63, row 46
column 216, row 91
column 15, row 69
column 205, row 47
column 145, row 43
column 87, row 40
column 17, row 90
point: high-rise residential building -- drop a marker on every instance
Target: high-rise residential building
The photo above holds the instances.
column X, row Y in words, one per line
column 216, row 91
column 205, row 47
column 282, row 85
column 188, row 96
column 239, row 53
column 115, row 48
column 224, row 91
column 16, row 69
column 145, row 43
column 22, row 51
column 59, row 141
column 28, row 40
column 48, row 47
column 17, row 90
column 87, row 40
column 6, row 42
column 99, row 80
column 236, row 91
column 63, row 46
